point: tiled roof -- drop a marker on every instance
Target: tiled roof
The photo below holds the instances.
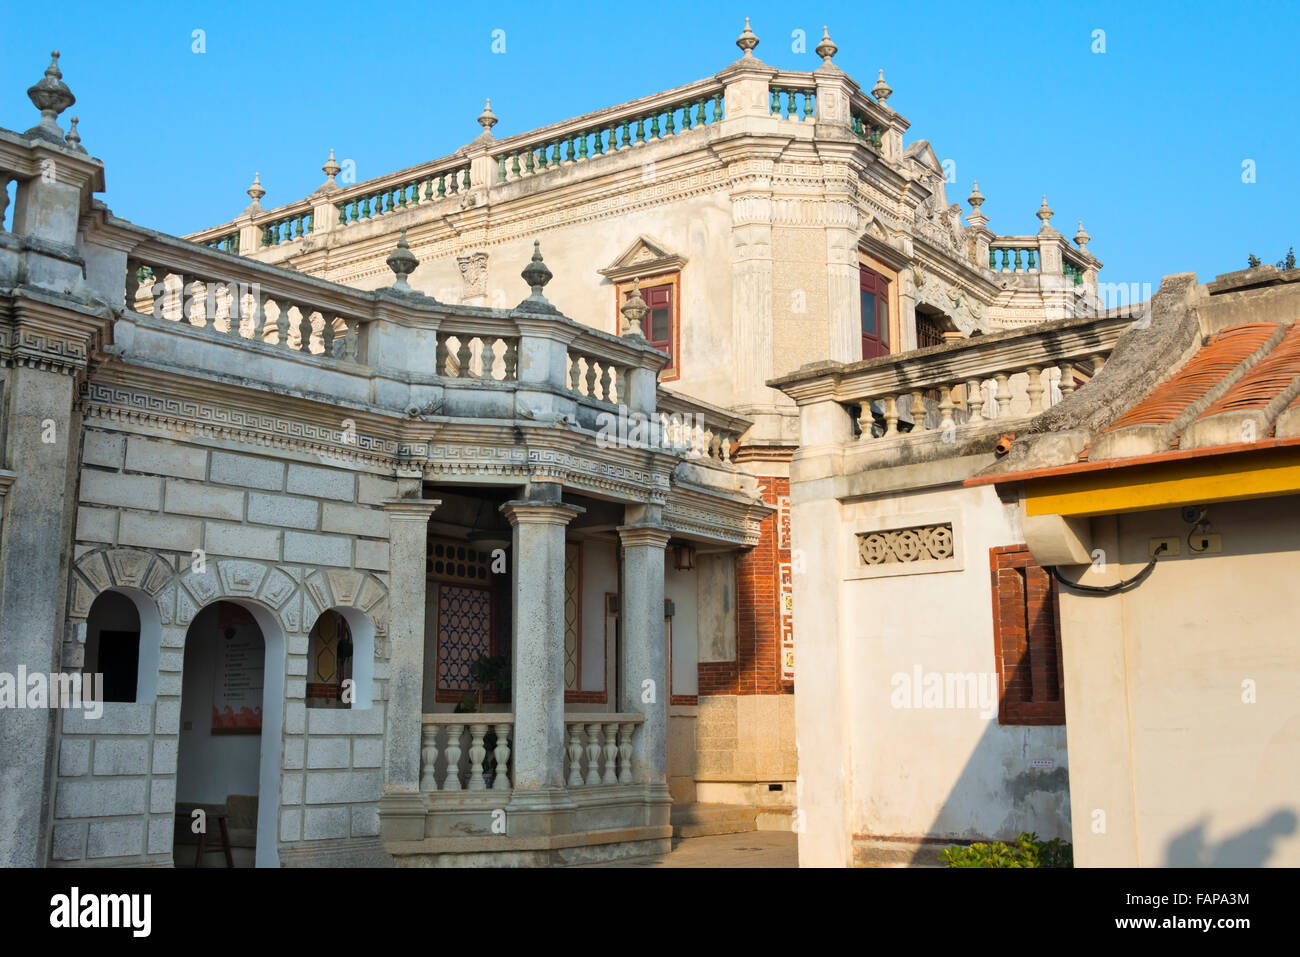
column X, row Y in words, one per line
column 1216, row 359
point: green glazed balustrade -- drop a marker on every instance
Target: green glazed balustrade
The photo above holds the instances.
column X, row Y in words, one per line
column 227, row 244
column 865, row 131
column 793, row 104
column 287, row 229
column 1012, row 259
column 423, row 189
column 610, row 137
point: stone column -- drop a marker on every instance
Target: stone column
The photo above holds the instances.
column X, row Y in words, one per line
column 537, row 675
column 645, row 657
column 408, row 520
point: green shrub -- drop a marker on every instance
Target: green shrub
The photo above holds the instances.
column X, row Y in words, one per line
column 1026, row 851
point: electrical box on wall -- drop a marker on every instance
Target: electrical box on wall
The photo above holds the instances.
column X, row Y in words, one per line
column 1170, row 547
column 1204, row 543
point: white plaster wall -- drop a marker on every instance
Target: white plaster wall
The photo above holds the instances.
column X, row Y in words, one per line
column 1162, row 671
column 698, row 228
column 946, row 772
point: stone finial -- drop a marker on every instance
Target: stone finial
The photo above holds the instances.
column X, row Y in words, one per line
column 1081, row 238
column 51, row 96
column 331, row 169
column 402, row 262
column 747, row 41
column 976, row 198
column 827, row 48
column 255, row 191
column 634, row 311
column 487, row 119
column 882, row 90
column 536, row 274
column 1044, row 212
column 73, row 139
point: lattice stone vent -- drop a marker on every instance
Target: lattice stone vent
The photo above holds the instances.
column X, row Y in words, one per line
column 895, row 546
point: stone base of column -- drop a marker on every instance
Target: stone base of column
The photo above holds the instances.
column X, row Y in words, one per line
column 401, row 816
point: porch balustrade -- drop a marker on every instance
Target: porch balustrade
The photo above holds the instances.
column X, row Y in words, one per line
column 599, row 748
column 455, row 756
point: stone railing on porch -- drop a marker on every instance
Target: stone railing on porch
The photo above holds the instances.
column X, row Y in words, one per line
column 599, row 748
column 454, row 755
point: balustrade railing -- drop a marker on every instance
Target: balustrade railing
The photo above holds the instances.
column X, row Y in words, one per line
column 483, row 356
column 595, row 377
column 599, row 749
column 705, row 430
column 984, row 383
column 1016, row 259
column 428, row 187
column 229, row 243
column 794, row 102
column 205, row 299
column 465, row 752
column 866, row 130
column 621, row 127
column 286, row 229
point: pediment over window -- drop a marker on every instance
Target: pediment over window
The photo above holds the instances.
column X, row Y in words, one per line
column 645, row 257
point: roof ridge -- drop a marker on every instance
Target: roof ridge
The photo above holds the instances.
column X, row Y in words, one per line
column 1248, row 391
column 1198, row 408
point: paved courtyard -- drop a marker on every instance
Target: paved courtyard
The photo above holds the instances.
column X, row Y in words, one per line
column 747, row 849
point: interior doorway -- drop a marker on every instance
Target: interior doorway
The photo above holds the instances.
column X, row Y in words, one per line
column 226, row 716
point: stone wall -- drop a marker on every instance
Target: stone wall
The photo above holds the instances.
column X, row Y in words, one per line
column 178, row 523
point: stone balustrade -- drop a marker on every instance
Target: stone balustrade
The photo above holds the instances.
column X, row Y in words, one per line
column 794, row 99
column 204, row 295
column 429, row 186
column 229, row 243
column 466, row 752
column 473, row 354
column 987, row 382
column 595, row 378
column 599, row 748
column 1020, row 257
column 607, row 131
column 945, row 393
column 705, row 430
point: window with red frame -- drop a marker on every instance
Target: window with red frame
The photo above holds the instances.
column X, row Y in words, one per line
column 874, row 293
column 1026, row 639
column 658, row 322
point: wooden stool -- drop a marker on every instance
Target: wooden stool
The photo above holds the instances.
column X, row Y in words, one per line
column 220, row 817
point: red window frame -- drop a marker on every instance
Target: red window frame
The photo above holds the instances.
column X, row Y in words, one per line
column 1026, row 639
column 662, row 296
column 874, row 312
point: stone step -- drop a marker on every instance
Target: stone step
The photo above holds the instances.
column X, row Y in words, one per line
column 879, row 853
column 702, row 820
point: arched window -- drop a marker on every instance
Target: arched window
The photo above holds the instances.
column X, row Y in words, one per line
column 113, row 645
column 330, row 663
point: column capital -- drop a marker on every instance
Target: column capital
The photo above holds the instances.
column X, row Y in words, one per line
column 653, row 535
column 410, row 509
column 524, row 512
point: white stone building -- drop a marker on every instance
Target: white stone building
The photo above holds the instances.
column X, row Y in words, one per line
column 337, row 439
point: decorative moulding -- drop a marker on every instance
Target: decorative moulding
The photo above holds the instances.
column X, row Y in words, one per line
column 645, row 257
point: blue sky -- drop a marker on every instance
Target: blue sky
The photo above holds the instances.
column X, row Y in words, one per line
column 1144, row 142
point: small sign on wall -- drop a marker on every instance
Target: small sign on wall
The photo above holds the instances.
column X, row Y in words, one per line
column 1042, row 764
column 237, row 681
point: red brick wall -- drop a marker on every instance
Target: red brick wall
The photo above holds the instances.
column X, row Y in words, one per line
column 1026, row 629
column 757, row 668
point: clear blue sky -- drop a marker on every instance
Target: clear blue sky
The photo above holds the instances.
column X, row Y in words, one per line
column 1144, row 142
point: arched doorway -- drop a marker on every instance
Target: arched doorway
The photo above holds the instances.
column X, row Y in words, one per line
column 228, row 758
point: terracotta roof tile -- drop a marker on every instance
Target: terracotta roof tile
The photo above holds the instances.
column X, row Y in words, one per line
column 1272, row 375
column 1223, row 353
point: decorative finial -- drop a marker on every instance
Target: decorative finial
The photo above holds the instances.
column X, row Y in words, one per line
column 976, row 198
column 536, row 274
column 487, row 119
column 1044, row 212
column 826, row 49
column 748, row 41
column 634, row 311
column 402, row 262
column 882, row 90
column 51, row 96
column 73, row 139
column 1081, row 238
column 331, row 168
column 256, row 191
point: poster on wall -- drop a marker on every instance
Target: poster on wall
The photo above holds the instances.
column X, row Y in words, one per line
column 237, row 691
